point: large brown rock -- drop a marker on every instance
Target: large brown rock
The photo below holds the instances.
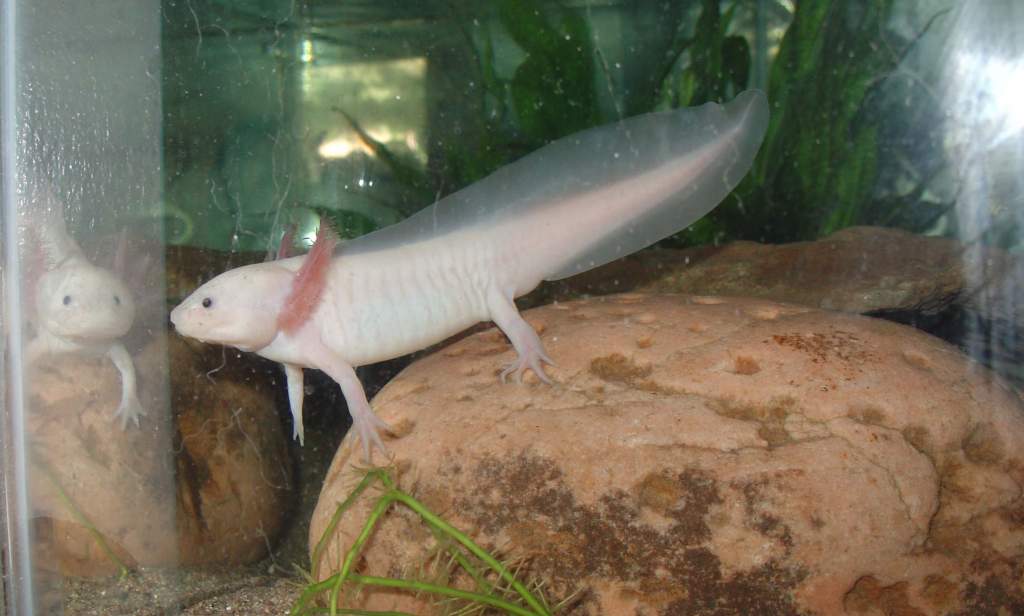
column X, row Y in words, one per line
column 85, row 470
column 206, row 483
column 858, row 269
column 702, row 455
column 234, row 475
column 967, row 294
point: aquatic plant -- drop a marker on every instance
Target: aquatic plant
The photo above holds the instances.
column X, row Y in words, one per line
column 819, row 168
column 507, row 77
column 496, row 584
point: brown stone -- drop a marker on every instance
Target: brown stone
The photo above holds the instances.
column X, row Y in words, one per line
column 233, row 469
column 749, row 458
column 858, row 269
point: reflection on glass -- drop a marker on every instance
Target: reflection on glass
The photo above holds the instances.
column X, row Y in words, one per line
column 149, row 146
column 78, row 308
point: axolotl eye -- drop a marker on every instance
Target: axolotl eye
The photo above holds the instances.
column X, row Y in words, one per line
column 67, row 300
column 117, row 300
column 207, row 302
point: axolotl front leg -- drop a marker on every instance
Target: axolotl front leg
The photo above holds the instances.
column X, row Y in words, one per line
column 130, row 409
column 293, row 321
column 317, row 355
column 296, row 392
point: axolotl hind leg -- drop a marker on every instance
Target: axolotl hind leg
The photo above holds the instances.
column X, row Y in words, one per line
column 523, row 337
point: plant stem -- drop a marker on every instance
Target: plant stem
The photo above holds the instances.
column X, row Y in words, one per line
column 501, row 604
column 463, row 562
column 354, row 612
column 321, row 545
column 434, row 520
column 350, row 557
column 443, row 532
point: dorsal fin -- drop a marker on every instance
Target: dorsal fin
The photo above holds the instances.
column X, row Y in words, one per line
column 309, row 282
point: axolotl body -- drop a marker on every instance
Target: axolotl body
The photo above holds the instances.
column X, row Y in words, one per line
column 82, row 309
column 577, row 203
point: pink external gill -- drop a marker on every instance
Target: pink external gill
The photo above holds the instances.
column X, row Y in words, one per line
column 309, row 282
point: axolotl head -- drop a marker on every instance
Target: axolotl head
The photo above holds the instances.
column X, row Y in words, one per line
column 79, row 301
column 238, row 308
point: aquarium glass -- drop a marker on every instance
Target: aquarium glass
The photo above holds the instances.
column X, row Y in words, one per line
column 148, row 146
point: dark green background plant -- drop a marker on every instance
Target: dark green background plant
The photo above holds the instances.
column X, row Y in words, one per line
column 818, row 169
column 851, row 140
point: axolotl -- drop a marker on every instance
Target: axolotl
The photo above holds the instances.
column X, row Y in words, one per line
column 81, row 309
column 577, row 203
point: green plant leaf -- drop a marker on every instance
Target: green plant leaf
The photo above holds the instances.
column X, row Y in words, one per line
column 407, row 172
column 525, row 22
column 553, row 88
column 855, row 181
column 736, row 62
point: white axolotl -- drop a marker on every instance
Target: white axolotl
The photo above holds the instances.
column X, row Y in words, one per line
column 81, row 309
column 575, row 204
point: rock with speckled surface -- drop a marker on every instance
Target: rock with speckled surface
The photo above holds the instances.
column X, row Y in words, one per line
column 703, row 455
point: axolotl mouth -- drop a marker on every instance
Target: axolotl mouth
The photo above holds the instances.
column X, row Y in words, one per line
column 85, row 340
column 84, row 331
column 180, row 323
column 183, row 325
column 237, row 308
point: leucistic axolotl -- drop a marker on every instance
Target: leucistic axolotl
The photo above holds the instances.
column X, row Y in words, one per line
column 81, row 309
column 575, row 204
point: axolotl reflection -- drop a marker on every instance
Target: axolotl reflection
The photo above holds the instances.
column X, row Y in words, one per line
column 82, row 309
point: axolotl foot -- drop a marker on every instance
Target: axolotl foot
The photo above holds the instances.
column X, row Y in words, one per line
column 129, row 411
column 368, row 428
column 534, row 358
column 523, row 338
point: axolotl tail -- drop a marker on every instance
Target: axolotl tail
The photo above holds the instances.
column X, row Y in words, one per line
column 598, row 195
column 639, row 181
